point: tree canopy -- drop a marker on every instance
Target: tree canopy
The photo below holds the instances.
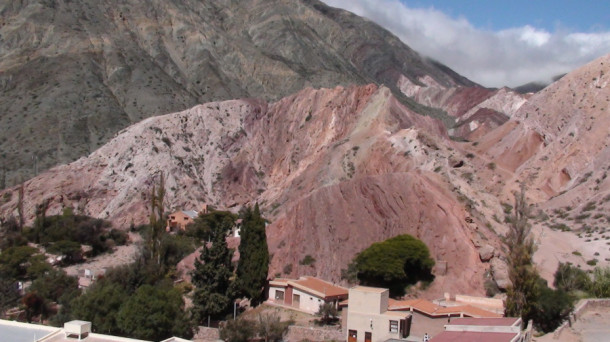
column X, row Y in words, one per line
column 212, row 278
column 395, row 263
column 529, row 297
column 154, row 313
column 253, row 255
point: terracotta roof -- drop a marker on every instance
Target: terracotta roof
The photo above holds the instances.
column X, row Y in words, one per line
column 431, row 309
column 501, row 321
column 318, row 287
column 471, row 336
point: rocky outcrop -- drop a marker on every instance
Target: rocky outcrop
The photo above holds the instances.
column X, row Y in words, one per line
column 74, row 73
column 333, row 169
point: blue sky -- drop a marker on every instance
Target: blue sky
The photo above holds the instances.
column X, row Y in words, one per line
column 577, row 16
column 496, row 43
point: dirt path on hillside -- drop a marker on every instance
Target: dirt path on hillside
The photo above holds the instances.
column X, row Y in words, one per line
column 121, row 256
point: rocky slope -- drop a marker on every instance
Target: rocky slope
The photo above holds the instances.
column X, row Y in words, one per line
column 558, row 143
column 74, row 73
column 334, row 169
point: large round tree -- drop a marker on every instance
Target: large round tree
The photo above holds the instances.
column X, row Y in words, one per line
column 395, row 264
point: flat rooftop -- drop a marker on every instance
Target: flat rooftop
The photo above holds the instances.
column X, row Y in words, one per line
column 498, row 322
column 23, row 332
column 369, row 289
column 471, row 336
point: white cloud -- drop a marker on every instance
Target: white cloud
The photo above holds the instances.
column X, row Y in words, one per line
column 509, row 57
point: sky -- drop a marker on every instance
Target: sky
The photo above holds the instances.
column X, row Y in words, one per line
column 496, row 43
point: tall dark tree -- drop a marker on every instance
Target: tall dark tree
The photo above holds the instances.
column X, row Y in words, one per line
column 523, row 292
column 529, row 296
column 212, row 278
column 157, row 222
column 20, row 194
column 253, row 256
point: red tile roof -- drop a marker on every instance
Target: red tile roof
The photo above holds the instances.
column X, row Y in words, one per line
column 319, row 287
column 471, row 336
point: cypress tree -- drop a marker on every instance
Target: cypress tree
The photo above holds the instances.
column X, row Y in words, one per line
column 253, row 256
column 212, row 278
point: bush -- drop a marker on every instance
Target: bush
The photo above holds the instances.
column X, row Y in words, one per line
column 600, row 284
column 239, row 330
column 569, row 278
column 307, row 260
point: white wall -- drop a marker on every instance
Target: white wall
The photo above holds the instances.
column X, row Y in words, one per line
column 309, row 302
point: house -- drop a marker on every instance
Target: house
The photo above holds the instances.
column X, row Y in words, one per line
column 180, row 219
column 368, row 317
column 427, row 317
column 430, row 318
column 499, row 329
column 306, row 293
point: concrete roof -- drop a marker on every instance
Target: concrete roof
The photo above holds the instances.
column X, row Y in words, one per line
column 471, row 336
column 61, row 337
column 369, row 289
column 24, row 332
column 431, row 309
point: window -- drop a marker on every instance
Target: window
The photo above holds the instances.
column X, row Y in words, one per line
column 394, row 326
column 279, row 295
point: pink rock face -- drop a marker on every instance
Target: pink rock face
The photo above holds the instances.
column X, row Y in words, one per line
column 334, row 170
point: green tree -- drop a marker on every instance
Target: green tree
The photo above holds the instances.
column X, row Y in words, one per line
column 9, row 294
column 529, row 297
column 395, row 263
column 70, row 250
column 157, row 222
column 552, row 307
column 600, row 285
column 206, row 226
column 212, row 278
column 522, row 294
column 14, row 261
column 100, row 305
column 253, row 263
column 154, row 313
column 54, row 284
column 569, row 278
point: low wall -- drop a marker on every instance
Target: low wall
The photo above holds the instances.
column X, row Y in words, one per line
column 205, row 334
column 581, row 307
column 296, row 334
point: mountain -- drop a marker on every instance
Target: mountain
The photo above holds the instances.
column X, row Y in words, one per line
column 558, row 144
column 74, row 73
column 333, row 169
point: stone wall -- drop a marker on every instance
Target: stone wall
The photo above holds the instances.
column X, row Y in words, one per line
column 296, row 334
column 581, row 307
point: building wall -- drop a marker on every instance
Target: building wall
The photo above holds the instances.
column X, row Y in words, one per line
column 366, row 301
column 423, row 324
column 366, row 313
column 273, row 292
column 377, row 324
column 309, row 302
